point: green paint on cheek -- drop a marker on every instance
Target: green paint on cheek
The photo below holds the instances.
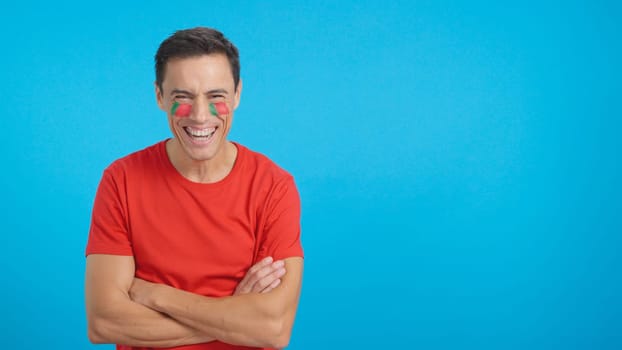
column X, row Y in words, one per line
column 174, row 108
column 213, row 110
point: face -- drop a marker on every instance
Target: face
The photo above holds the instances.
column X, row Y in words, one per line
column 195, row 83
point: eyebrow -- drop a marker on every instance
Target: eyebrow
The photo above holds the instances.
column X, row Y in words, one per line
column 210, row 92
column 179, row 91
column 217, row 91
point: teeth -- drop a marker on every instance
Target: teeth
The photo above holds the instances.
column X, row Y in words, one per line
column 200, row 132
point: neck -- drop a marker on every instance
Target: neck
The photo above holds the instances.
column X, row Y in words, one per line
column 202, row 171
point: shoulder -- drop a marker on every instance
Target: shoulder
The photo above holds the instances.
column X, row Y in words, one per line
column 259, row 164
column 273, row 187
column 141, row 160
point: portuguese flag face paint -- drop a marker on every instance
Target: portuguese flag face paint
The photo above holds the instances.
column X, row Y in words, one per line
column 218, row 108
column 181, row 109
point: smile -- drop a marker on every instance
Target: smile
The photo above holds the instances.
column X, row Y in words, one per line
column 202, row 134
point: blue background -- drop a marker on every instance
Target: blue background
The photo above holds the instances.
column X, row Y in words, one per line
column 459, row 162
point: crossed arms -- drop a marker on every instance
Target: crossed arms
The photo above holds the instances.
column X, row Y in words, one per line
column 126, row 310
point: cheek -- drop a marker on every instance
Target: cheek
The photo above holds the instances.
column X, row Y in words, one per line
column 219, row 109
column 222, row 108
column 181, row 110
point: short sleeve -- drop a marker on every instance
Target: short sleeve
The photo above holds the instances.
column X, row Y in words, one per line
column 109, row 233
column 280, row 238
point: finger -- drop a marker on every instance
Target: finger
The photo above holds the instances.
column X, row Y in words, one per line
column 267, row 280
column 258, row 266
column 262, row 263
column 263, row 272
column 272, row 286
column 248, row 280
column 250, row 285
column 246, row 284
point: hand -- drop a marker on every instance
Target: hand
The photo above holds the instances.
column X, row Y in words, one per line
column 262, row 277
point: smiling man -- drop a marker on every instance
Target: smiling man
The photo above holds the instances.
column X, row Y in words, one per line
column 195, row 240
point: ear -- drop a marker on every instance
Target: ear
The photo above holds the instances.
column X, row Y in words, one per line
column 159, row 96
column 237, row 95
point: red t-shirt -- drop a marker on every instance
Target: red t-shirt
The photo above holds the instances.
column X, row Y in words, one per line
column 198, row 237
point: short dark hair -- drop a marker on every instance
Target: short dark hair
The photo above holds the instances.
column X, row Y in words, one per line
column 196, row 42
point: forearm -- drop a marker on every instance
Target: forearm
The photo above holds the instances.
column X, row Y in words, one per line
column 129, row 323
column 263, row 319
column 255, row 319
column 250, row 319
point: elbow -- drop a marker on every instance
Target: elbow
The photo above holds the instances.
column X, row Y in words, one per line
column 281, row 342
column 95, row 332
column 94, row 336
column 280, row 334
column 280, row 322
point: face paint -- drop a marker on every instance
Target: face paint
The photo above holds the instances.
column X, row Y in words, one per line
column 222, row 108
column 181, row 110
column 218, row 108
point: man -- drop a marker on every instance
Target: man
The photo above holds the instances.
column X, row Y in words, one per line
column 194, row 240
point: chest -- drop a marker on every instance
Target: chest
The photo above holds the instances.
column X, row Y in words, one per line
column 202, row 242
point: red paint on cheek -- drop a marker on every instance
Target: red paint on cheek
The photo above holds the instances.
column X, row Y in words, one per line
column 183, row 110
column 222, row 108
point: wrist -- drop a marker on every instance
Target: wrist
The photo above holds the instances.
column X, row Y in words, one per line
column 157, row 297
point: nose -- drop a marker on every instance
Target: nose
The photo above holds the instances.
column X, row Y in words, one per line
column 200, row 110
